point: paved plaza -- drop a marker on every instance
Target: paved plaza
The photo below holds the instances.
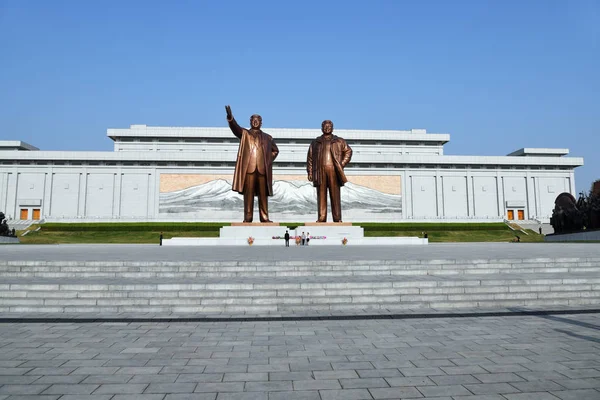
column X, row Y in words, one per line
column 460, row 251
column 415, row 354
column 483, row 358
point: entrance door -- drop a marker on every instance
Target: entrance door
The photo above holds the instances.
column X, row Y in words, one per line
column 36, row 213
column 520, row 214
column 24, row 213
column 511, row 214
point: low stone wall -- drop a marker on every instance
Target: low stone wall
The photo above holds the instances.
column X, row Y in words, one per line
column 574, row 237
column 5, row 239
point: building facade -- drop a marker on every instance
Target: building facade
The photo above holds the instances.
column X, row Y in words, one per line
column 185, row 173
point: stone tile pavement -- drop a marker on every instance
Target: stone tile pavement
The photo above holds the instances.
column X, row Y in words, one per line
column 475, row 358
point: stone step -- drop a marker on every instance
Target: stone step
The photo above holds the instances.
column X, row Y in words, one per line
column 226, row 270
column 254, row 282
column 332, row 264
column 185, row 297
column 251, row 274
column 300, row 298
column 311, row 288
column 291, row 308
column 36, row 292
column 292, row 287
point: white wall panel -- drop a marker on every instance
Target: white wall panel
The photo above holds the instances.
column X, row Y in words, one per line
column 455, row 196
column 30, row 189
column 515, row 192
column 485, row 194
column 65, row 195
column 424, row 202
column 134, row 195
column 549, row 188
column 99, row 195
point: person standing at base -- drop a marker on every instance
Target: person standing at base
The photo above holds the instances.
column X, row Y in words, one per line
column 327, row 156
column 287, row 239
column 303, row 239
column 307, row 238
column 160, row 239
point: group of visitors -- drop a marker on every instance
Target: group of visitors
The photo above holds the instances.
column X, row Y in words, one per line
column 304, row 239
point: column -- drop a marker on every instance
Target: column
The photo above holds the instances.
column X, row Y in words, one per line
column 47, row 202
column 404, row 193
column 154, row 194
column 3, row 191
column 118, row 177
column 529, row 189
column 81, row 206
column 12, row 186
column 500, row 194
column 439, row 194
column 470, row 195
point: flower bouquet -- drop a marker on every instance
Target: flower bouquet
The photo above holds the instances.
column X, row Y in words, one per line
column 298, row 240
column 250, row 240
column 344, row 241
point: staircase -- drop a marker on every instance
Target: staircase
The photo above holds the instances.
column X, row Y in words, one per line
column 22, row 224
column 291, row 287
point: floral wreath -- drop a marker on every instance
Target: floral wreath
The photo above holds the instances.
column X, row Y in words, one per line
column 344, row 241
column 250, row 240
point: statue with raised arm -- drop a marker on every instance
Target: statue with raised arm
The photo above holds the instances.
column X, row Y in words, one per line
column 327, row 156
column 253, row 175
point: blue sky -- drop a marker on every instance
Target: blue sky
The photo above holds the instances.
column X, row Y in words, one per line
column 496, row 75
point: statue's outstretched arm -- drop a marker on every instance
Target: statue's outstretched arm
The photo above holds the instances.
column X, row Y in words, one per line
column 233, row 125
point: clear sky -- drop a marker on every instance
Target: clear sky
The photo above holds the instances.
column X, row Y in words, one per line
column 496, row 75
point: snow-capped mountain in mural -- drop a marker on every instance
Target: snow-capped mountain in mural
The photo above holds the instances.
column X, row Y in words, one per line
column 297, row 197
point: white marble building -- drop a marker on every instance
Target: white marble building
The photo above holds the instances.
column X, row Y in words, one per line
column 184, row 174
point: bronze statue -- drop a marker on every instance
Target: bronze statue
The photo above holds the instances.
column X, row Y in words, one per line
column 566, row 217
column 570, row 216
column 4, row 228
column 589, row 206
column 327, row 156
column 593, row 206
column 253, row 175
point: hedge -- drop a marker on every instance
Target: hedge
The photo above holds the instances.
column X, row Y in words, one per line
column 433, row 226
column 215, row 226
column 133, row 226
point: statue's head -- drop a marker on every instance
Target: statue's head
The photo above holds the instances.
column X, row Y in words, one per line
column 255, row 121
column 327, row 127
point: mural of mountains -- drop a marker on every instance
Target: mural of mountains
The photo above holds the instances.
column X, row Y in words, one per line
column 298, row 197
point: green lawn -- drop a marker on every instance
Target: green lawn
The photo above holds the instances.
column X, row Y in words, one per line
column 464, row 236
column 54, row 233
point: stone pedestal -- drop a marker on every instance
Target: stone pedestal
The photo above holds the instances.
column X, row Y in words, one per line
column 330, row 233
column 264, row 234
column 328, row 224
column 257, row 231
column 271, row 234
column 255, row 224
column 9, row 240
